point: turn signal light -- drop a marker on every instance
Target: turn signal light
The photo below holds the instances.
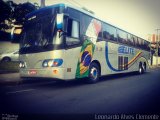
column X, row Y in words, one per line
column 55, row 71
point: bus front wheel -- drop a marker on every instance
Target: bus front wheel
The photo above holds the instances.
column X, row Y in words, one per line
column 94, row 73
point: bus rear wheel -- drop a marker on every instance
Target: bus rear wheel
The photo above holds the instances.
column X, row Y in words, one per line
column 144, row 67
column 94, row 73
column 140, row 70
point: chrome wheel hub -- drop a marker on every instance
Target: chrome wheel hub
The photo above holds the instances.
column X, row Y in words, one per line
column 94, row 73
column 140, row 70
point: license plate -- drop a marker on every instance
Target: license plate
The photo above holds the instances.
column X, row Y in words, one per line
column 32, row 72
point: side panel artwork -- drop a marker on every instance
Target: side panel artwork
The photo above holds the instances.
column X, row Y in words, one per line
column 127, row 58
column 87, row 49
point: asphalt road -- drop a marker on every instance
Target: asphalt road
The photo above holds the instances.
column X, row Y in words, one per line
column 127, row 94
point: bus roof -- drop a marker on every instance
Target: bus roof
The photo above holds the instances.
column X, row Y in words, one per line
column 43, row 9
column 76, row 8
column 58, row 5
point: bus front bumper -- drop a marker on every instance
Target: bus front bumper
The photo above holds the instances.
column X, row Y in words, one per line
column 43, row 73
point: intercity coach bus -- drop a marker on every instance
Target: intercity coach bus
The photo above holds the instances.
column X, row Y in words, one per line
column 64, row 42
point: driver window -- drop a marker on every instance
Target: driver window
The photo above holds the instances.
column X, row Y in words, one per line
column 72, row 32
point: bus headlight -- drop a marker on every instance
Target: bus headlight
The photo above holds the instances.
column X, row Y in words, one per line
column 45, row 63
column 52, row 62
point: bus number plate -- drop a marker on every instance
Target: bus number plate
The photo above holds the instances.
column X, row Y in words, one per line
column 32, row 72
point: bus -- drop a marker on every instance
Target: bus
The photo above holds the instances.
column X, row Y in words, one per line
column 65, row 43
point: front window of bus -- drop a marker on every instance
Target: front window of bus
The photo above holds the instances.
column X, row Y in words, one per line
column 40, row 34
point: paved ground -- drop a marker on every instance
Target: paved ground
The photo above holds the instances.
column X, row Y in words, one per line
column 122, row 94
column 7, row 78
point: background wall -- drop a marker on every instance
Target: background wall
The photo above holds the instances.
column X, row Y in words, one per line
column 155, row 59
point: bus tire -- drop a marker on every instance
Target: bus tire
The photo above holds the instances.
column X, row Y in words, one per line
column 94, row 73
column 144, row 67
column 140, row 70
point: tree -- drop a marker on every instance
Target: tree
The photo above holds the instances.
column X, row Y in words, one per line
column 12, row 14
column 22, row 10
column 5, row 11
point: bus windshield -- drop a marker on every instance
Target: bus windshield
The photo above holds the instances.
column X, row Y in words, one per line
column 39, row 35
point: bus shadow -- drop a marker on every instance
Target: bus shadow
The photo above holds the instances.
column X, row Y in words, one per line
column 130, row 75
column 58, row 84
column 119, row 75
column 54, row 83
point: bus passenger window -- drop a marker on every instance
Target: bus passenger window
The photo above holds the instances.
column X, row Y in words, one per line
column 100, row 36
column 130, row 39
column 142, row 43
column 147, row 45
column 137, row 43
column 135, row 40
column 122, row 37
column 72, row 32
column 109, row 32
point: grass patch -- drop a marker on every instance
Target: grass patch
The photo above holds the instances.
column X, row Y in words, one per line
column 9, row 67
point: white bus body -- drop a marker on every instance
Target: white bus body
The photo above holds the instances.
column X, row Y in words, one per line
column 71, row 43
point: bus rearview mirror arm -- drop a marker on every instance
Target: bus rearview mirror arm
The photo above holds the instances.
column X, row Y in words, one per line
column 60, row 23
column 61, row 33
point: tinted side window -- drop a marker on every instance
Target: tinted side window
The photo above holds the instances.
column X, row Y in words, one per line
column 130, row 39
column 146, row 45
column 122, row 36
column 74, row 13
column 135, row 40
column 109, row 32
column 139, row 43
column 100, row 35
column 85, row 21
column 142, row 43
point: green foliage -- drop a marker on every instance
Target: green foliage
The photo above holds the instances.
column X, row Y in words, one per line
column 14, row 13
column 5, row 11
